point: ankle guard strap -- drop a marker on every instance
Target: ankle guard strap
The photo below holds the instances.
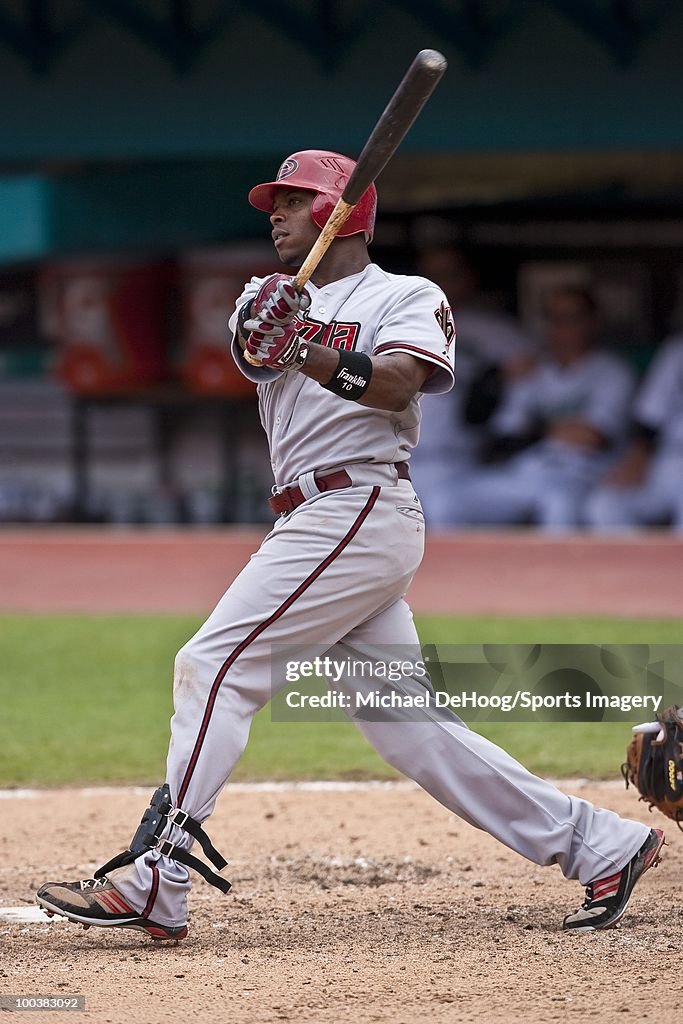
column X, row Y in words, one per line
column 156, row 818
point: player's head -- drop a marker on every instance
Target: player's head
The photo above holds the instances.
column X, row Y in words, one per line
column 455, row 267
column 572, row 320
column 324, row 174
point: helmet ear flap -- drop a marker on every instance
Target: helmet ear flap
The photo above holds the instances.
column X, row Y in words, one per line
column 361, row 221
column 321, row 208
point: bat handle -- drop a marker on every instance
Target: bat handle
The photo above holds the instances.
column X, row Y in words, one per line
column 335, row 223
column 337, row 219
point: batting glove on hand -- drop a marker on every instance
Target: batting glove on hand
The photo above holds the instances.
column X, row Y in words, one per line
column 273, row 339
column 278, row 302
column 269, row 345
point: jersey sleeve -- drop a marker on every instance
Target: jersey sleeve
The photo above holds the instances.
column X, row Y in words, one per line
column 421, row 324
column 661, row 393
column 257, row 374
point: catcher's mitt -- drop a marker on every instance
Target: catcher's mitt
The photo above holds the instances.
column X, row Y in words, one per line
column 655, row 764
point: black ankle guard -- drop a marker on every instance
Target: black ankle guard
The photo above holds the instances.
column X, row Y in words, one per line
column 158, row 815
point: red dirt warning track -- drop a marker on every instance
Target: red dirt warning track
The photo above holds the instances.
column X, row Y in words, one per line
column 93, row 570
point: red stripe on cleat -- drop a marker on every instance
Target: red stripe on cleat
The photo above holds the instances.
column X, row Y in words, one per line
column 105, row 900
column 119, row 903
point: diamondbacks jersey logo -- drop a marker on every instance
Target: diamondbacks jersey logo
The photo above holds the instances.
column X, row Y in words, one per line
column 333, row 335
column 287, row 168
column 444, row 318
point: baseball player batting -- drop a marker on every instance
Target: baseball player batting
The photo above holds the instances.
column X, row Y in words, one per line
column 341, row 368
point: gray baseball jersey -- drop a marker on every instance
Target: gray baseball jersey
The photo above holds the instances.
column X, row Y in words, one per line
column 331, row 576
column 374, row 312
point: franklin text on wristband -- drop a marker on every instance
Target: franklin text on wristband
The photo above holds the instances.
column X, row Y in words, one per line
column 352, row 377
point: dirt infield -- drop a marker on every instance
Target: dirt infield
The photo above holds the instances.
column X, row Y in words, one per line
column 359, row 906
column 79, row 570
column 348, row 906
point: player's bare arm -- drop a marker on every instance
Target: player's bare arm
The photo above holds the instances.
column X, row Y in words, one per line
column 575, row 431
column 395, row 380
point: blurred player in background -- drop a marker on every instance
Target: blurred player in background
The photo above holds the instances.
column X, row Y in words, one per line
column 558, row 427
column 491, row 349
column 646, row 486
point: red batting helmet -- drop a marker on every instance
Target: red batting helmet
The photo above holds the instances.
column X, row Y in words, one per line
column 326, row 174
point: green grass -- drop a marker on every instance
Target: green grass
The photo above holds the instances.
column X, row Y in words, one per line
column 88, row 700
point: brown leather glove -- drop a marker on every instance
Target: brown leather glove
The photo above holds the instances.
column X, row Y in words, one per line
column 655, row 766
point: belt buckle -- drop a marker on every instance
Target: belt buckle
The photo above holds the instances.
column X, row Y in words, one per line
column 285, row 495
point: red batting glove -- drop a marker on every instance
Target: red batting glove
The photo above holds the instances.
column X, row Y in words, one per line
column 270, row 345
column 273, row 339
column 278, row 302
